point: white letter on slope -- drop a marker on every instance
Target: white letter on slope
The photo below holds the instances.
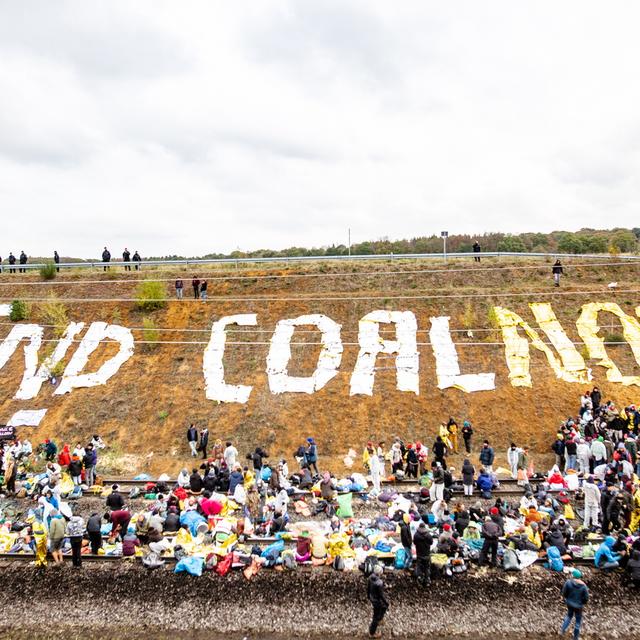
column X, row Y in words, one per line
column 32, row 381
column 33, row 333
column 215, row 386
column 280, row 353
column 447, row 366
column 407, row 359
column 97, row 332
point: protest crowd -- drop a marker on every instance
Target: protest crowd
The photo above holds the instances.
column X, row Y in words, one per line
column 422, row 516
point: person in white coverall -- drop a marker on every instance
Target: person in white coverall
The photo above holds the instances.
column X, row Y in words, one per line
column 591, row 503
column 512, row 459
column 584, row 453
column 375, row 469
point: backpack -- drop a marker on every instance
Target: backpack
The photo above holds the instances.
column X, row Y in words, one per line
column 368, row 565
column 400, row 560
column 152, row 561
column 289, row 560
column 510, row 561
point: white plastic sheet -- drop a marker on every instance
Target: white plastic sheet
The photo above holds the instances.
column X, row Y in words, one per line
column 447, row 365
column 98, row 331
column 33, row 333
column 280, row 354
column 371, row 344
column 27, row 418
column 5, row 309
column 212, row 363
column 32, row 381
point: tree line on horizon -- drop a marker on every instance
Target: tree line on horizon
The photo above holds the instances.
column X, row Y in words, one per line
column 613, row 241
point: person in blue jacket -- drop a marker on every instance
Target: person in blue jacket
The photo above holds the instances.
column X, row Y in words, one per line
column 605, row 558
column 485, row 483
column 311, row 455
column 576, row 595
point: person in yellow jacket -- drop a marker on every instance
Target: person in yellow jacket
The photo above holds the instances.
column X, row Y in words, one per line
column 635, row 514
column 453, row 434
column 533, row 533
column 40, row 537
column 366, row 455
column 444, row 434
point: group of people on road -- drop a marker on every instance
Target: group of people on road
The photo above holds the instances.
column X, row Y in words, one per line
column 127, row 259
column 22, row 260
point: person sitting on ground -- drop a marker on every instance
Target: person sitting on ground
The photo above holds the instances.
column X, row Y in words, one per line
column 195, row 482
column 485, row 483
column 130, row 542
column 605, row 558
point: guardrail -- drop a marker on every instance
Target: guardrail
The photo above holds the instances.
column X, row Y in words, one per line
column 301, row 259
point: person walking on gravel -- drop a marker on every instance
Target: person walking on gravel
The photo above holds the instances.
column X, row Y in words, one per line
column 378, row 600
column 576, row 595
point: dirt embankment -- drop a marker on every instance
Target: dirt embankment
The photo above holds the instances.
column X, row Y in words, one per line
column 127, row 601
column 145, row 408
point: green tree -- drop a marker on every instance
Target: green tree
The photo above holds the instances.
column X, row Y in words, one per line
column 511, row 244
column 624, row 241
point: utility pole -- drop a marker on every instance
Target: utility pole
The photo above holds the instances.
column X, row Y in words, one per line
column 444, row 235
column 349, row 240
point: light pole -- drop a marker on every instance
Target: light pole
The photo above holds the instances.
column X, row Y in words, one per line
column 349, row 240
column 444, row 235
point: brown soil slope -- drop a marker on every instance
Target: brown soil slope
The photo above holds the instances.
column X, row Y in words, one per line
column 145, row 408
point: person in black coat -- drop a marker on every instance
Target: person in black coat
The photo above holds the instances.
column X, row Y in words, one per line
column 440, row 451
column 204, row 442
column 23, row 260
column 56, row 259
column 137, row 259
column 423, row 540
column 195, row 481
column 126, row 258
column 411, row 470
column 557, row 271
column 192, row 439
column 106, row 257
column 476, row 251
column 115, row 500
column 12, row 261
column 377, row 598
column 94, row 524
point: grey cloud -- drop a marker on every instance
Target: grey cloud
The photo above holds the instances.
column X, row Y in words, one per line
column 323, row 38
column 95, row 38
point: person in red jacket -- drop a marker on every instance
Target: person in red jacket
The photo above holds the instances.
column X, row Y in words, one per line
column 64, row 457
column 119, row 522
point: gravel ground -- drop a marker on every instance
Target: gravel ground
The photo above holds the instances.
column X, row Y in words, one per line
column 126, row 601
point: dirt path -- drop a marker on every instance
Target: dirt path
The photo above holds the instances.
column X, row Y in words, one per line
column 126, row 601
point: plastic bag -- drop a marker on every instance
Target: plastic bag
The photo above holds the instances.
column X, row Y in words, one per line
column 345, row 509
column 191, row 564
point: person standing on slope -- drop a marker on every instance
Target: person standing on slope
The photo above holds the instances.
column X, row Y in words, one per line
column 192, row 439
column 557, row 271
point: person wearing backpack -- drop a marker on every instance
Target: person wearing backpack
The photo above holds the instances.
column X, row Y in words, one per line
column 423, row 540
column 378, row 600
column 311, row 455
column 576, row 596
column 75, row 533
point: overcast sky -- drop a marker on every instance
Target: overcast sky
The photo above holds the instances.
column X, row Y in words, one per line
column 193, row 127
